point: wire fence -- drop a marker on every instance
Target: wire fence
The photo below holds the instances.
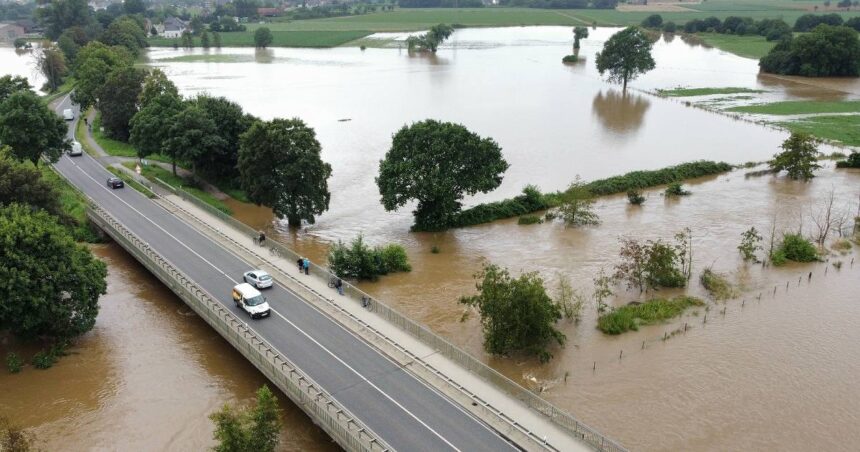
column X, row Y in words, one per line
column 336, row 420
column 556, row 415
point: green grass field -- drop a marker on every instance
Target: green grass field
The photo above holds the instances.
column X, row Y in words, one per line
column 118, row 148
column 152, row 171
column 746, row 46
column 692, row 92
column 801, row 107
column 844, row 128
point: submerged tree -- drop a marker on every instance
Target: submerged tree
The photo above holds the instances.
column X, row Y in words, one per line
column 750, row 243
column 579, row 33
column 625, row 55
column 799, row 157
column 437, row 163
column 516, row 313
column 430, row 40
column 252, row 429
column 577, row 205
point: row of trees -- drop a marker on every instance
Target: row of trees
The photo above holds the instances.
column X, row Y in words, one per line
column 771, row 29
column 826, row 51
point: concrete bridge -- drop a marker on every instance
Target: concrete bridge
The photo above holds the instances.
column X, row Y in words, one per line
column 370, row 377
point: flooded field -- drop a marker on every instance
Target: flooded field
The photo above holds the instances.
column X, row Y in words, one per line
column 771, row 372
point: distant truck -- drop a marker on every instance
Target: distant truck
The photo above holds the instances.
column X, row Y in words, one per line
column 68, row 114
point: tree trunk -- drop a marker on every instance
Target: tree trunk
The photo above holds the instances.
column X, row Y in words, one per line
column 173, row 161
column 294, row 221
column 624, row 87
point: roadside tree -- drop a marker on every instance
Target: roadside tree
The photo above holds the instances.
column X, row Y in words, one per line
column 625, row 55
column 262, row 38
column 51, row 284
column 230, row 123
column 31, row 129
column 437, row 163
column 252, row 429
column 12, row 84
column 517, row 315
column 21, row 183
column 799, row 157
column 125, row 32
column 192, row 135
column 52, row 65
column 95, row 61
column 117, row 100
column 280, row 167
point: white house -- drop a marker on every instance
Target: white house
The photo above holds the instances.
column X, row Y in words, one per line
column 173, row 28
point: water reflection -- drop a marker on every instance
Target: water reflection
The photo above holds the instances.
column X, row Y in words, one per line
column 621, row 113
column 264, row 56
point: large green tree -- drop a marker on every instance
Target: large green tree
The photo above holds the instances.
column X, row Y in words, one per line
column 125, row 32
column 230, row 122
column 93, row 64
column 12, row 84
column 437, row 163
column 31, row 129
column 191, row 136
column 579, row 33
column 118, row 99
column 58, row 15
column 799, row 157
column 281, row 168
column 21, row 183
column 826, row 51
column 52, row 65
column 50, row 284
column 517, row 315
column 159, row 103
column 625, row 55
column 253, row 429
column 262, row 38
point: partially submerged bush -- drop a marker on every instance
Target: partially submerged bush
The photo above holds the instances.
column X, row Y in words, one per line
column 853, row 161
column 14, row 362
column 794, row 247
column 529, row 219
column 630, row 317
column 676, row 189
column 717, row 285
column 635, row 197
column 531, row 200
column 570, row 59
column 357, row 260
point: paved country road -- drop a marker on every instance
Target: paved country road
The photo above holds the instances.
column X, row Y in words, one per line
column 403, row 411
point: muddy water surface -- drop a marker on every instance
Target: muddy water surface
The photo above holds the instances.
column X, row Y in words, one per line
column 145, row 378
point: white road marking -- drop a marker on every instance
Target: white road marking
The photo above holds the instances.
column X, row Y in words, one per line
column 62, row 102
column 279, row 314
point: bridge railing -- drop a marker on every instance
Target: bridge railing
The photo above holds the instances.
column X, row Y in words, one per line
column 556, row 415
column 326, row 412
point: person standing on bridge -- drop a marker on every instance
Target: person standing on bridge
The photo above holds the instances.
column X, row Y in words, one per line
column 300, row 263
column 306, row 263
column 339, row 286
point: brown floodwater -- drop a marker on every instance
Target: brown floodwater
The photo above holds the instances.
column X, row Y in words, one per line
column 777, row 372
column 145, row 378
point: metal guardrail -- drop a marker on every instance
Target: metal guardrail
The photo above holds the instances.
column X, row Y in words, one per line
column 556, row 415
column 326, row 412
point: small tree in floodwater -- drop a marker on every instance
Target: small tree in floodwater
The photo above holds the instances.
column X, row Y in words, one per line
column 579, row 33
column 252, row 429
column 568, row 299
column 625, row 55
column 516, row 313
column 799, row 157
column 602, row 290
column 577, row 205
column 750, row 243
column 655, row 264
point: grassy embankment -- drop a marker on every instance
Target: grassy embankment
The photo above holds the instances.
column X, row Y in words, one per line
column 533, row 200
column 692, row 92
column 152, row 171
column 844, row 128
column 74, row 205
column 115, row 147
column 336, row 31
column 62, row 90
column 630, row 317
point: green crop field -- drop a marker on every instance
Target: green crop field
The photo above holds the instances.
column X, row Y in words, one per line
column 842, row 128
column 691, row 92
column 749, row 46
column 801, row 107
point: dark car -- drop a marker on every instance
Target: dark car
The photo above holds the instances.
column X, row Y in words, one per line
column 115, row 182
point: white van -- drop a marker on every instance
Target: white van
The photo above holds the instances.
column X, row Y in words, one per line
column 76, row 149
column 251, row 301
column 68, row 114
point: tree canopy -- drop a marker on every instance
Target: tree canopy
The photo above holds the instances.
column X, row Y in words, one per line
column 625, row 56
column 262, row 37
column 51, row 284
column 21, row 183
column 516, row 313
column 31, row 129
column 799, row 157
column 118, row 99
column 94, row 63
column 12, row 84
column 253, row 429
column 191, row 136
column 230, row 123
column 430, row 40
column 437, row 163
column 826, row 51
column 150, row 126
column 280, row 166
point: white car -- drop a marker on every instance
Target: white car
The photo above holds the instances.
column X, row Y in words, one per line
column 258, row 279
column 251, row 301
column 77, row 149
column 68, row 114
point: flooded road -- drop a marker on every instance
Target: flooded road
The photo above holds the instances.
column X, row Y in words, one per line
column 145, row 379
column 776, row 372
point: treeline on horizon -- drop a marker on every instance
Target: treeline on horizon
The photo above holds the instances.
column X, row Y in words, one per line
column 549, row 4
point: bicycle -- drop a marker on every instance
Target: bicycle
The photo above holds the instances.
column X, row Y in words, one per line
column 274, row 252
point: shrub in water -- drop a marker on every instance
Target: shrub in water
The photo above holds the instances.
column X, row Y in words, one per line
column 529, row 219
column 43, row 360
column 718, row 286
column 570, row 59
column 14, row 362
column 853, row 161
column 357, row 260
column 796, row 248
column 676, row 189
column 629, row 317
column 635, row 197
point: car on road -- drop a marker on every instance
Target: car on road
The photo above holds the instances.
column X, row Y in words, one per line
column 251, row 301
column 77, row 149
column 258, row 279
column 68, row 114
column 115, row 182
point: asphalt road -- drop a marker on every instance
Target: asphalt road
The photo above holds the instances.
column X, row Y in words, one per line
column 407, row 414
